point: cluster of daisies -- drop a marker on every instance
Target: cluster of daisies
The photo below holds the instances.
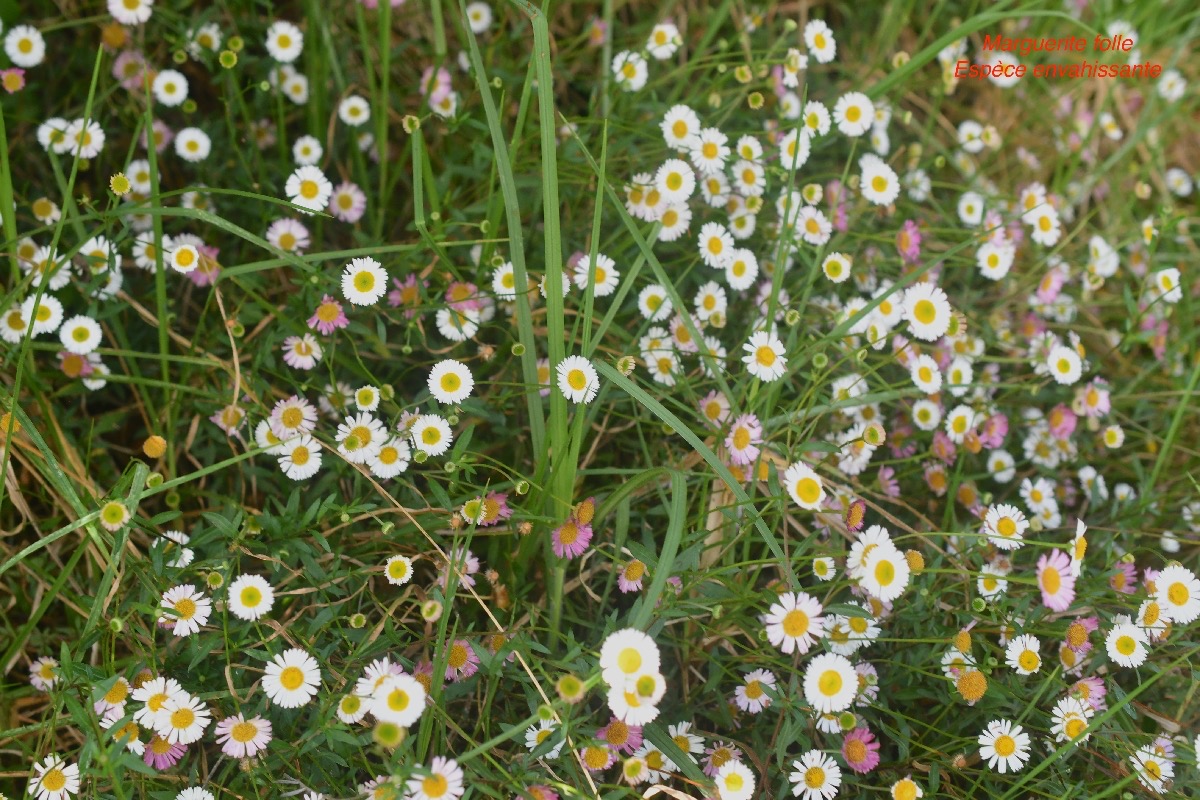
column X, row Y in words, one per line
column 739, row 207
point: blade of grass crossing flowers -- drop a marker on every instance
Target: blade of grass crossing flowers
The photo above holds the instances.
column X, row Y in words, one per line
column 656, row 267
column 705, row 452
column 563, row 476
column 589, row 295
column 7, row 208
column 27, row 339
column 160, row 276
column 512, row 210
column 1024, row 777
column 666, row 557
column 100, row 603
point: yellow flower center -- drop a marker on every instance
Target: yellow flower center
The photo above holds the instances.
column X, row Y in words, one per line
column 629, row 660
column 292, row 678
column 925, row 311
column 53, row 779
column 185, row 607
column 808, row 490
column 1051, row 580
column 830, row 682
column 182, row 718
column 243, row 732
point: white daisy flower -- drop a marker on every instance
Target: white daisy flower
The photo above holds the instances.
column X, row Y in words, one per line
column 192, row 145
column 816, row 776
column 805, row 486
column 879, row 183
column 927, row 310
column 284, row 41
column 678, row 126
column 715, row 245
column 354, row 111
column 392, row 459
column 300, row 457
column 830, row 683
column 766, row 360
column 734, row 781
column 606, row 278
column 577, row 379
column 794, row 622
column 1177, row 591
column 364, row 281
column 431, row 434
column 398, row 570
column 292, row 678
column 308, row 188
column 854, row 114
column 450, row 381
column 359, row 437
column 399, row 699
column 1005, row 746
column 25, row 46
column 189, row 609
column 80, row 335
column 54, row 779
column 820, row 42
column 250, row 596
column 170, row 88
column 1126, row 643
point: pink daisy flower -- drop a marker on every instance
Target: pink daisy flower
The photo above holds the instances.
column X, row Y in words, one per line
column 631, row 576
column 888, row 483
column 1091, row 691
column 943, row 448
column 128, row 68
column 540, row 792
column 13, row 79
column 860, row 750
column 570, row 539
column 718, row 755
column 465, row 562
column 462, row 661
column 161, row 754
column 621, row 736
column 328, row 317
column 1055, row 580
column 1096, row 402
column 591, row 755
column 1050, row 285
column 1090, row 624
column 348, row 202
column 229, row 419
column 463, row 296
column 495, row 509
column 993, row 431
column 301, row 352
column 290, row 235
column 74, row 365
column 163, row 135
column 205, row 274
column 1062, row 421
column 908, row 242
column 407, row 293
column 744, row 437
column 1124, row 580
column 242, row 738
column 836, row 196
column 435, row 85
